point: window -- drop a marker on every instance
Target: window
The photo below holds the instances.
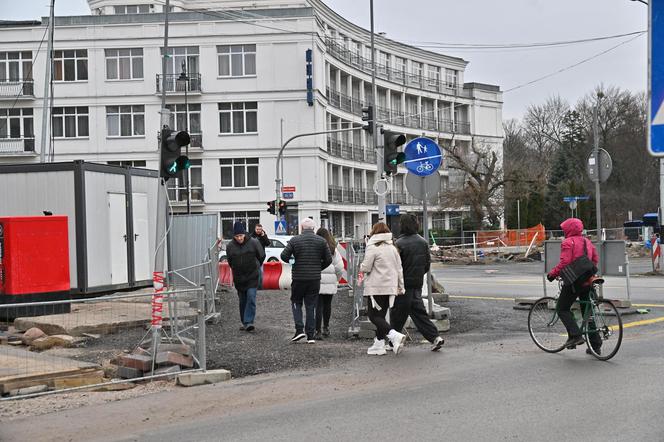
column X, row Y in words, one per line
column 127, row 163
column 70, row 122
column 16, row 123
column 400, row 64
column 182, row 57
column 239, row 172
column 238, row 118
column 132, row 9
column 70, row 65
column 124, row 64
column 250, row 219
column 434, row 75
column 15, row 66
column 236, row 60
column 125, row 121
column 417, row 69
column 178, row 187
column 179, row 114
column 451, row 78
column 383, row 63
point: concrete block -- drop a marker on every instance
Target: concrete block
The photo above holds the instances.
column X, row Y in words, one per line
column 172, row 358
column 202, row 378
column 620, row 303
column 182, row 349
column 527, row 300
column 367, row 325
column 28, row 390
column 129, row 373
column 442, row 324
column 139, row 362
column 440, row 312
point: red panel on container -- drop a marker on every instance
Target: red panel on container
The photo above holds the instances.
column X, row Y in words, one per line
column 35, row 255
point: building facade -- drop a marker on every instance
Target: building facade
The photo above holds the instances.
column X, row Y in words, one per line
column 237, row 81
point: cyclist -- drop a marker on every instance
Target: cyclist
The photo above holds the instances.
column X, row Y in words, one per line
column 572, row 248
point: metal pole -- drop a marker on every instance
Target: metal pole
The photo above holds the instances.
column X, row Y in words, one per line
column 518, row 222
column 374, row 137
column 186, row 128
column 661, row 195
column 598, row 207
column 202, row 350
column 425, row 230
column 47, row 81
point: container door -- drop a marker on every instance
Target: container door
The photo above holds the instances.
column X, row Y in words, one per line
column 117, row 217
column 141, row 239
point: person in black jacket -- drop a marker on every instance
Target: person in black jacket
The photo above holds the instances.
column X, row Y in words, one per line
column 260, row 235
column 415, row 260
column 312, row 254
column 245, row 257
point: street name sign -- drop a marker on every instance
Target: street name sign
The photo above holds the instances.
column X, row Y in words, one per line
column 423, row 156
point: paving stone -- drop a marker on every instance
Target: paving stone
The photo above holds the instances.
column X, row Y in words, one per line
column 172, row 358
column 139, row 362
column 202, row 378
column 175, row 348
column 129, row 373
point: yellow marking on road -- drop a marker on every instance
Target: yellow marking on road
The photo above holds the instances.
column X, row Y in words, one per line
column 491, row 298
column 648, row 305
column 643, row 322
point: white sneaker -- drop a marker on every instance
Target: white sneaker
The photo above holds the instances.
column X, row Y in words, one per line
column 378, row 347
column 437, row 343
column 398, row 340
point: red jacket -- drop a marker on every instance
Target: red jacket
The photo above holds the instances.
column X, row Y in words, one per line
column 572, row 246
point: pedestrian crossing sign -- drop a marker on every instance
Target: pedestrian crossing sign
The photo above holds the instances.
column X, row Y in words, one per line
column 280, row 227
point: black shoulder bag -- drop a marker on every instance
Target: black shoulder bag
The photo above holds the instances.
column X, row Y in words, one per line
column 578, row 270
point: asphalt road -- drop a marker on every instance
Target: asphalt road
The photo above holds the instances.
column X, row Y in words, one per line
column 489, row 383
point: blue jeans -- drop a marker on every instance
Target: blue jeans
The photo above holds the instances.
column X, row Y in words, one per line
column 306, row 291
column 247, row 306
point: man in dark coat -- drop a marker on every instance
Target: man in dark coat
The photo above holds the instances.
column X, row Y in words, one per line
column 312, row 254
column 245, row 257
column 415, row 260
column 261, row 236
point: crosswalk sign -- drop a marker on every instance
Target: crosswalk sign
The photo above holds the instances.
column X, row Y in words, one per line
column 656, row 79
column 280, row 227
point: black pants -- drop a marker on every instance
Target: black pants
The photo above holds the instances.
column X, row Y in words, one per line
column 411, row 303
column 323, row 311
column 565, row 301
column 377, row 317
column 306, row 291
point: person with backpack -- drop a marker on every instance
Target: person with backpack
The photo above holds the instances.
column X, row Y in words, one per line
column 416, row 260
column 573, row 247
column 245, row 257
column 329, row 283
column 383, row 282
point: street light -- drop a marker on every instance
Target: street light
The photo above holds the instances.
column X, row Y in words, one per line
column 183, row 78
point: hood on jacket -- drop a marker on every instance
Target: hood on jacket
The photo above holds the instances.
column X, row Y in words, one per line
column 380, row 237
column 572, row 227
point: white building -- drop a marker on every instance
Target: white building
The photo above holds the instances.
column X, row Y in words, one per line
column 244, row 67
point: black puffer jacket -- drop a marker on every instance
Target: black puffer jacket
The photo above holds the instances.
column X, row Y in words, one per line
column 245, row 260
column 415, row 259
column 311, row 253
column 263, row 239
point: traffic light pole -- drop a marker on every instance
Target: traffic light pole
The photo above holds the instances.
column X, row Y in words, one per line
column 280, row 158
column 374, row 92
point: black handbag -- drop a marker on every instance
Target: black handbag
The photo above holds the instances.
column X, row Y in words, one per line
column 578, row 270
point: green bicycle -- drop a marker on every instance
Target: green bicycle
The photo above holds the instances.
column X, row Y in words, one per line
column 599, row 317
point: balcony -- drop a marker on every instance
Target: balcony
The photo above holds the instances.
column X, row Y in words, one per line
column 178, row 195
column 349, row 151
column 17, row 89
column 398, row 76
column 177, row 85
column 340, row 194
column 17, row 146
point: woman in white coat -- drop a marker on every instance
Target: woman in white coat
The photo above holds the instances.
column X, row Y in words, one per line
column 329, row 279
column 383, row 281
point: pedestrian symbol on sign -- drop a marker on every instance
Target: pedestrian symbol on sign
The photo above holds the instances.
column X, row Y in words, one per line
column 280, row 227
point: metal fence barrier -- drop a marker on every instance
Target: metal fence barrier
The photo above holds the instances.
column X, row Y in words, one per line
column 99, row 341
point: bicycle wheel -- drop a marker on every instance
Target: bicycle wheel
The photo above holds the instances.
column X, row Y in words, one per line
column 545, row 327
column 608, row 326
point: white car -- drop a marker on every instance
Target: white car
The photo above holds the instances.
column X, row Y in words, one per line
column 272, row 252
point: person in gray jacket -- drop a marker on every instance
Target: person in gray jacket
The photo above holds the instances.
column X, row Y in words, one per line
column 312, row 255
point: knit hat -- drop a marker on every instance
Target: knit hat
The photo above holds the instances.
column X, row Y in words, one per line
column 238, row 228
column 308, row 224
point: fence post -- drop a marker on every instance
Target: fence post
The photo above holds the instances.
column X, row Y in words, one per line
column 474, row 249
column 202, row 351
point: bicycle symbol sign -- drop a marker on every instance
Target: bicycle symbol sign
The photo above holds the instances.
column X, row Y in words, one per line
column 423, row 156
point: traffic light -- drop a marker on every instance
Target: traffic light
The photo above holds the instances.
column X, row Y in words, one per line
column 391, row 155
column 172, row 160
column 270, row 208
column 282, row 207
column 368, row 116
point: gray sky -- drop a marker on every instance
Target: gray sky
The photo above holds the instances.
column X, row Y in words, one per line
column 492, row 22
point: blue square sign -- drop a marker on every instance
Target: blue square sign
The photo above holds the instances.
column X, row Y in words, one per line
column 656, row 79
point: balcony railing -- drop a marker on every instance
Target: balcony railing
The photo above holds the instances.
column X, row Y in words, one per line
column 350, row 151
column 178, row 85
column 341, row 194
column 17, row 89
column 17, row 145
column 178, row 194
column 399, row 76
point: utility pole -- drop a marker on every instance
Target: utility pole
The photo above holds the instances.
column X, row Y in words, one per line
column 374, row 93
column 47, row 81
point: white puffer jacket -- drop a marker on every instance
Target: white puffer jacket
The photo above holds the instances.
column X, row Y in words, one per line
column 330, row 275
